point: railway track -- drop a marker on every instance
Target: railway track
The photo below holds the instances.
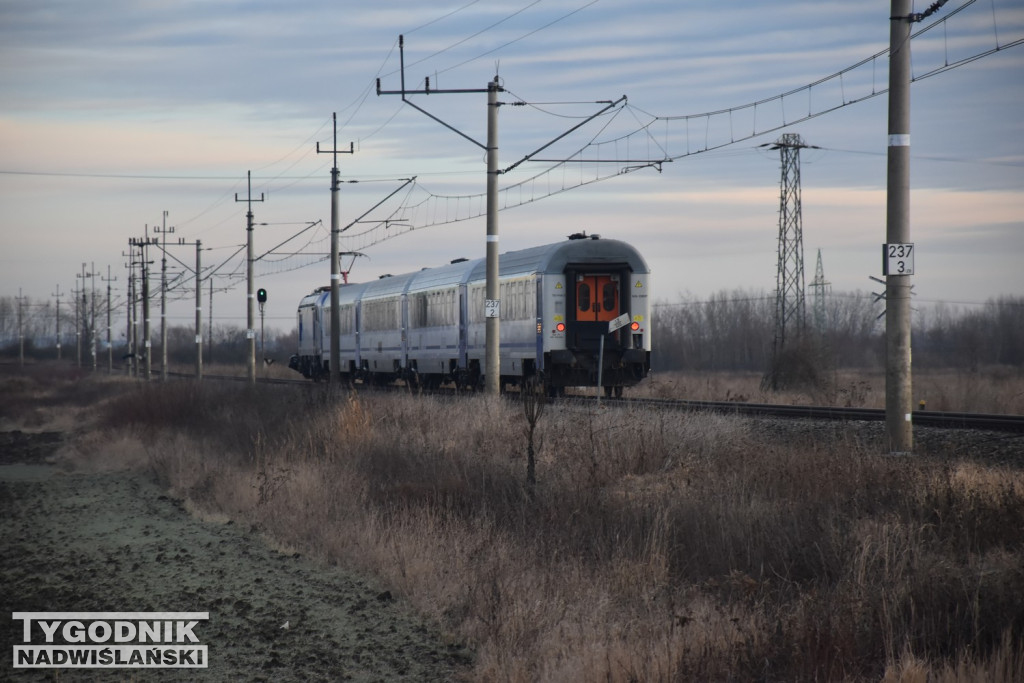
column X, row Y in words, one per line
column 923, row 418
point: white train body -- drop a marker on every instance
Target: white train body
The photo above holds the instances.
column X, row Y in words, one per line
column 556, row 302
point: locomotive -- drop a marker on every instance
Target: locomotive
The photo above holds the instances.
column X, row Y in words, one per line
column 557, row 301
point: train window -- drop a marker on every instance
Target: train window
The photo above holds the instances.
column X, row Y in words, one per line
column 345, row 318
column 583, row 296
column 609, row 296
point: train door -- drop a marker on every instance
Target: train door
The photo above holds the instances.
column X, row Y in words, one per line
column 597, row 298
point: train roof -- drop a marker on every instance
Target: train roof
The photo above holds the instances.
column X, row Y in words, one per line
column 553, row 258
column 547, row 258
column 321, row 294
column 388, row 285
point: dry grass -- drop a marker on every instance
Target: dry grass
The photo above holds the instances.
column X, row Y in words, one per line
column 275, row 370
column 51, row 396
column 653, row 547
column 992, row 390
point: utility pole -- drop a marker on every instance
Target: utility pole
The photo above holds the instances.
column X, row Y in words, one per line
column 110, row 341
column 199, row 310
column 209, row 324
column 163, row 297
column 57, row 294
column 335, row 359
column 21, row 330
column 147, row 343
column 92, row 317
column 147, row 340
column 88, row 332
column 898, row 396
column 79, row 316
column 492, row 306
column 199, row 299
column 78, row 327
column 250, row 329
column 492, row 303
column 130, row 312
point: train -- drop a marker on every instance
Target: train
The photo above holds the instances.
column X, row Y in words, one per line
column 427, row 328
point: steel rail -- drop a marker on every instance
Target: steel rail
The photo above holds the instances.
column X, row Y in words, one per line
column 922, row 418
column 928, row 418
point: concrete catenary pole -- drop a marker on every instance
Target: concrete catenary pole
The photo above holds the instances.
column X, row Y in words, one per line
column 199, row 310
column 147, row 341
column 82, row 321
column 132, row 315
column 209, row 325
column 92, row 316
column 250, row 311
column 334, row 360
column 110, row 340
column 78, row 327
column 492, row 329
column 21, row 330
column 250, row 316
column 58, row 295
column 898, row 396
column 163, row 297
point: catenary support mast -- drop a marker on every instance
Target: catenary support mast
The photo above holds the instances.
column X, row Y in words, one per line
column 898, row 396
column 335, row 350
column 492, row 305
column 250, row 316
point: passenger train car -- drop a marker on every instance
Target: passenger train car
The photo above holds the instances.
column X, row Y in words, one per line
column 428, row 327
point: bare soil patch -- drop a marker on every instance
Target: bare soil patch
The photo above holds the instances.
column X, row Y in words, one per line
column 116, row 542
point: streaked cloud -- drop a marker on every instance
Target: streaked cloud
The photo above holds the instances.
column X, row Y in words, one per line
column 214, row 89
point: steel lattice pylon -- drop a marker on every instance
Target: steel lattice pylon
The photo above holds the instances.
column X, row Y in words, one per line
column 790, row 309
column 821, row 289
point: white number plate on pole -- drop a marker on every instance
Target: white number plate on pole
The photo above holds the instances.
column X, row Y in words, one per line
column 898, row 259
column 492, row 308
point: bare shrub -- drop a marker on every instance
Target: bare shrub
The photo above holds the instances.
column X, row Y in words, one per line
column 103, row 451
column 801, row 365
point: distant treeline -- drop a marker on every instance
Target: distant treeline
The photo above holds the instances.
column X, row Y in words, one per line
column 734, row 330
column 731, row 330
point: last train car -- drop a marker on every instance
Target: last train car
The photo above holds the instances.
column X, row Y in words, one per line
column 428, row 327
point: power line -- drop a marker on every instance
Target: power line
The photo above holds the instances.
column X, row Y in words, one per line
column 932, row 157
column 592, row 160
column 471, row 37
column 365, row 93
column 442, row 17
column 522, row 37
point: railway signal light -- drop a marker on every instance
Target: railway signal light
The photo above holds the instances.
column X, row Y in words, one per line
column 634, row 326
column 261, row 295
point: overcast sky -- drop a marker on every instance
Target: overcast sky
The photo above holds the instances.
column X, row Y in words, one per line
column 115, row 111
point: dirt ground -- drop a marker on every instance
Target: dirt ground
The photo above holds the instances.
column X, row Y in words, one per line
column 114, row 542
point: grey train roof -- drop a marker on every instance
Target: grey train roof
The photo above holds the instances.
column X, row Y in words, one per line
column 552, row 258
column 548, row 258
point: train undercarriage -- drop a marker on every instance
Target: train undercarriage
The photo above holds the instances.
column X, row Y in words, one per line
column 562, row 370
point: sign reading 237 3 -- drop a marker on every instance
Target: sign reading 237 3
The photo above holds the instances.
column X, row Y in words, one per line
column 897, row 259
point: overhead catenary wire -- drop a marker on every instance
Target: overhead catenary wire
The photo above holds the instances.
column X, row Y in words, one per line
column 693, row 146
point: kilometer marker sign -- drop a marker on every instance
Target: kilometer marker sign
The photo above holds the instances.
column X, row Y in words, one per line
column 621, row 321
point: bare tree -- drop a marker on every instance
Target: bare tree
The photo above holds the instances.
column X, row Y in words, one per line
column 533, row 406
